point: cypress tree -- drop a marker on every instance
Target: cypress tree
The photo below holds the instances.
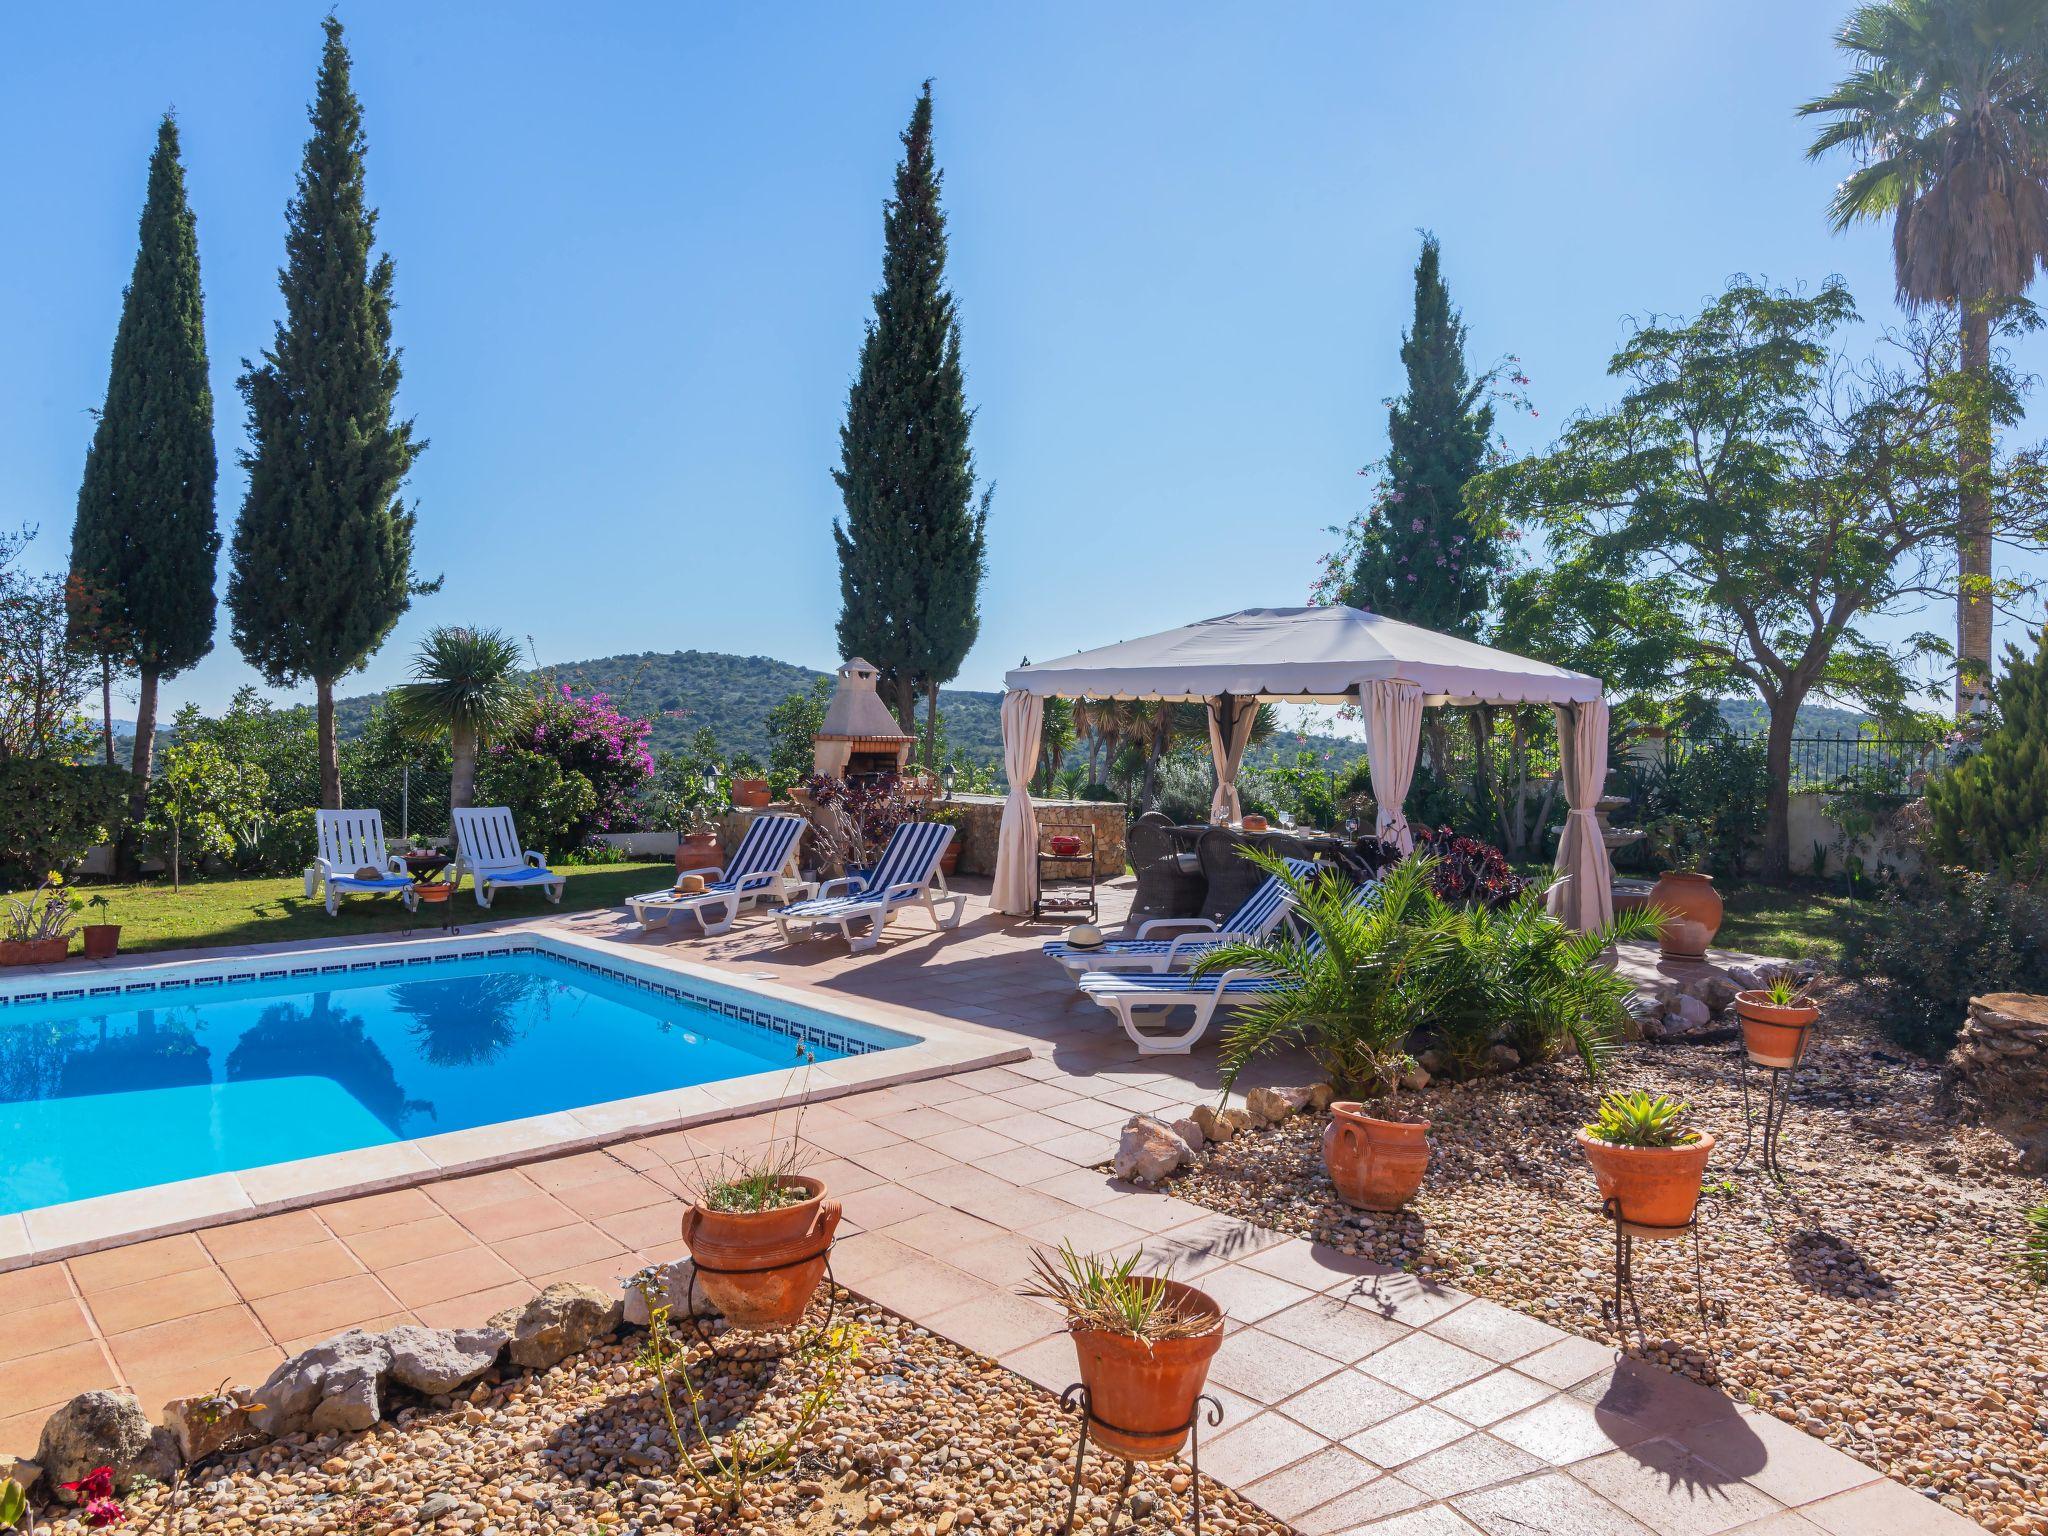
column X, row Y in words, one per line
column 1991, row 810
column 911, row 548
column 143, row 547
column 322, row 558
column 1422, row 559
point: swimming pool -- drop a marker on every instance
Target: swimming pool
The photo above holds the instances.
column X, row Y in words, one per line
column 113, row 1082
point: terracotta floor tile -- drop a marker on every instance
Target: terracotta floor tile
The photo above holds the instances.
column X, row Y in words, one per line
column 1258, row 1447
column 402, row 1243
column 1550, row 1503
column 1493, row 1397
column 1340, row 1406
column 20, row 1433
column 291, row 1269
column 1084, row 1187
column 1672, row 1491
column 1020, row 1165
column 266, row 1234
column 1477, row 1461
column 646, row 1227
column 580, row 1168
column 474, row 1189
column 1885, row 1509
column 1335, row 1328
column 604, row 1274
column 446, row 1274
column 326, row 1308
column 939, row 1233
column 136, row 1262
column 186, row 1341
column 473, row 1310
column 371, row 1213
column 34, row 1287
column 1329, row 1474
column 918, row 1287
column 995, row 1325
column 1499, row 1333
column 1561, row 1430
column 564, row 1247
column 28, row 1331
column 1031, row 1129
column 1423, row 1367
column 503, row 1219
column 612, row 1196
column 185, row 1294
column 904, row 1160
column 1247, row 1296
column 885, row 1205
column 54, row 1376
column 1792, row 1467
column 1266, row 1369
column 1404, row 1437
column 1366, row 1511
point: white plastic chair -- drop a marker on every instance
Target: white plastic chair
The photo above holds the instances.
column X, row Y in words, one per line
column 764, row 865
column 487, row 850
column 907, row 875
column 350, row 841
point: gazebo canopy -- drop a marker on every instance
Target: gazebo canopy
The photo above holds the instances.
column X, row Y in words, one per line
column 1311, row 655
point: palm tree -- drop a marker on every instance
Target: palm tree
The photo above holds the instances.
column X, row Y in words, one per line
column 1947, row 110
column 465, row 683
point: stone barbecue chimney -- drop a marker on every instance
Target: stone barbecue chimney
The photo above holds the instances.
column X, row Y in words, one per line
column 860, row 735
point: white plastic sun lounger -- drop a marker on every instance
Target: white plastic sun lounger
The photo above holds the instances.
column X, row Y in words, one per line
column 352, row 841
column 907, row 875
column 764, row 864
column 1147, row 998
column 1260, row 914
column 487, row 850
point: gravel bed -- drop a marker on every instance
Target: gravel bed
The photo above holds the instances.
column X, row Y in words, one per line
column 926, row 1440
column 1869, row 1296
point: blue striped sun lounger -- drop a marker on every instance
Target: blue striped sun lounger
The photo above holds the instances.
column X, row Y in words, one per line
column 907, row 875
column 764, row 865
column 1259, row 916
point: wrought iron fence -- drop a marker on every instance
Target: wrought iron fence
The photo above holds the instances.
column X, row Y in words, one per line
column 1897, row 764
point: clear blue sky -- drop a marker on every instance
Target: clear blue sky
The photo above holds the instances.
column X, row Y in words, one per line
column 635, row 246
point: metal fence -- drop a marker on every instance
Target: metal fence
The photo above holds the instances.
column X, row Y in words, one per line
column 1897, row 764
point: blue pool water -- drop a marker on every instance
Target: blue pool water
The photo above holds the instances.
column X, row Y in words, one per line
column 105, row 1094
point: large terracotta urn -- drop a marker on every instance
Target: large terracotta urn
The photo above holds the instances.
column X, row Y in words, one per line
column 698, row 850
column 1377, row 1165
column 761, row 1268
column 1141, row 1396
column 1654, row 1189
column 1692, row 909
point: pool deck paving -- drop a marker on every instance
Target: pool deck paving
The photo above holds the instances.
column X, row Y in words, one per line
column 1355, row 1397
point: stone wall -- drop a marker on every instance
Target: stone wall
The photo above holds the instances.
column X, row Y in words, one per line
column 980, row 818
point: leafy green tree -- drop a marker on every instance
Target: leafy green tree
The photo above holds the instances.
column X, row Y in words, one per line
column 912, row 546
column 1991, row 810
column 145, row 540
column 44, row 675
column 206, row 806
column 255, row 731
column 550, row 805
column 793, row 727
column 465, row 685
column 1947, row 112
column 1785, row 495
column 322, row 559
column 1419, row 556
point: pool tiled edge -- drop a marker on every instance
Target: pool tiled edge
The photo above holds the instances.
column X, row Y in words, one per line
column 933, row 1048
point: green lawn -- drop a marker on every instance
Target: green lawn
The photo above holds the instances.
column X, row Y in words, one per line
column 1803, row 920
column 267, row 911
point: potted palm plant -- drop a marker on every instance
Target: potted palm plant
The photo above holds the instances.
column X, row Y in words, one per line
column 1144, row 1344
column 1348, row 994
column 1775, row 1020
column 1647, row 1158
column 1684, row 893
column 37, row 927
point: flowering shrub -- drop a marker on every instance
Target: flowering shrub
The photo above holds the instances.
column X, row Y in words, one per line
column 95, row 1491
column 1467, row 872
column 588, row 736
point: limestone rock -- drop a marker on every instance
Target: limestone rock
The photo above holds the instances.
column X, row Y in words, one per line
column 104, row 1429
column 433, row 1361
column 1217, row 1124
column 21, row 1470
column 561, row 1321
column 670, row 1285
column 1148, row 1151
column 1692, row 1011
column 1191, row 1133
column 1415, row 1079
column 1320, row 1095
column 201, row 1425
column 346, row 1368
column 1431, row 1061
column 1502, row 1058
column 1269, row 1106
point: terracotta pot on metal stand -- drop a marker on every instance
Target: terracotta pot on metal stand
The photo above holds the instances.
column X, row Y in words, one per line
column 1141, row 1397
column 1653, row 1188
column 1377, row 1165
column 1773, row 1036
column 1692, row 910
column 761, row 1268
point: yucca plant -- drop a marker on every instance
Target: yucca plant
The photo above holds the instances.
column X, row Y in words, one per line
column 1104, row 1295
column 1781, row 989
column 1642, row 1119
column 465, row 684
column 1348, row 995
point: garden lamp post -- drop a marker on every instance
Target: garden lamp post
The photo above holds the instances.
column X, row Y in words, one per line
column 950, row 778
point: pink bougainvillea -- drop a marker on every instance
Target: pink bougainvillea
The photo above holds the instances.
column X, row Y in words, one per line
column 588, row 734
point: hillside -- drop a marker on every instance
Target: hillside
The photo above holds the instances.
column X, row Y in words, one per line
column 683, row 691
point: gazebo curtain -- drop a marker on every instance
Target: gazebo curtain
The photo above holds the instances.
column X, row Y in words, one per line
column 1393, row 736
column 1231, row 720
column 1583, row 896
column 1017, row 839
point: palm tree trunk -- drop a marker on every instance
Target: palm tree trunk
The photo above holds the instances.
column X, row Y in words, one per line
column 1973, row 535
column 330, row 755
column 462, row 777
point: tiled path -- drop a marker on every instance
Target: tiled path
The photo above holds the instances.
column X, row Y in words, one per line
column 1356, row 1399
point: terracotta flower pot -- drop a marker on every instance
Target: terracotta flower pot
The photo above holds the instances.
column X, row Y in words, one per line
column 698, row 850
column 1773, row 1036
column 33, row 951
column 949, row 861
column 102, row 940
column 760, row 1268
column 1656, row 1188
column 1377, row 1165
column 750, row 794
column 1693, row 909
column 433, row 890
column 1141, row 1397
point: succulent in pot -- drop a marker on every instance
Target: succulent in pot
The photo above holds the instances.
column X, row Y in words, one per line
column 102, row 940
column 1777, row 1019
column 1144, row 1344
column 1648, row 1160
column 36, row 929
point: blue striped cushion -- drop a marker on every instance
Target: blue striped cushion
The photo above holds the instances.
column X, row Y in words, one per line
column 1097, row 983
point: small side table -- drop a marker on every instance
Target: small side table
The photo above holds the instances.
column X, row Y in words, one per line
column 1066, row 881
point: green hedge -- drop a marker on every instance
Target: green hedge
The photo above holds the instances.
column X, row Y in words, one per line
column 51, row 813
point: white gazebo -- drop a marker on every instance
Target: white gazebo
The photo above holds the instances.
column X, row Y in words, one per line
column 1331, row 655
